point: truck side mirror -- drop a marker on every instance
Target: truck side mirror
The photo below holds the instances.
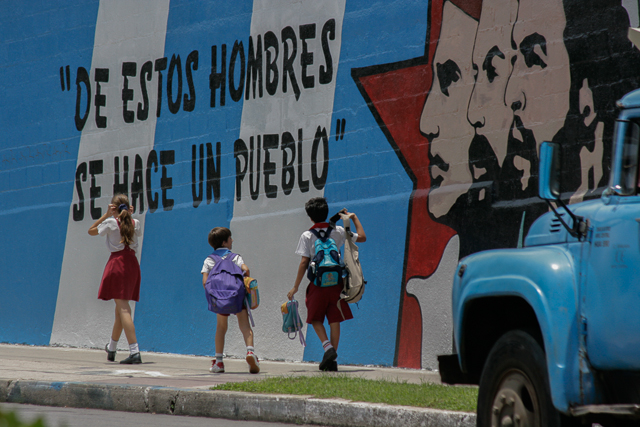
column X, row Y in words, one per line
column 549, row 173
column 549, row 190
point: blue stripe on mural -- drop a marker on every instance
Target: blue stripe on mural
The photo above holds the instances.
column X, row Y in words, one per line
column 172, row 314
column 383, row 217
column 38, row 151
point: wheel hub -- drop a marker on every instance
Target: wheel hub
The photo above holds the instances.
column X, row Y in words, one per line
column 515, row 403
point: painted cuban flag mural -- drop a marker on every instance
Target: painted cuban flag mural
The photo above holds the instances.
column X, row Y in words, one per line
column 423, row 117
column 206, row 114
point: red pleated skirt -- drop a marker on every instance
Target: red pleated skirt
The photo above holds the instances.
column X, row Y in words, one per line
column 121, row 277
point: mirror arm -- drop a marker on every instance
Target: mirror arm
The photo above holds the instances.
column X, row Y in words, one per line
column 579, row 226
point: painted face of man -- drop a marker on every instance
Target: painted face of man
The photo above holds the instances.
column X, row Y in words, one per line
column 538, row 89
column 443, row 119
column 488, row 111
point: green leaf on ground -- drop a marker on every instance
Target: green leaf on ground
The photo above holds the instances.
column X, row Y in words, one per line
column 424, row 395
column 10, row 419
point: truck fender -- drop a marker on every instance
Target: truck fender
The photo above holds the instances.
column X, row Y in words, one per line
column 541, row 278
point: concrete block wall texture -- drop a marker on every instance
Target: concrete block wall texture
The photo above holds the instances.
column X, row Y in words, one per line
column 423, row 117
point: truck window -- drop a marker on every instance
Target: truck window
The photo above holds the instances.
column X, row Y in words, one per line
column 629, row 182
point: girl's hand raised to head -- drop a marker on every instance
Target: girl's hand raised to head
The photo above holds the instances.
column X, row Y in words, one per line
column 111, row 211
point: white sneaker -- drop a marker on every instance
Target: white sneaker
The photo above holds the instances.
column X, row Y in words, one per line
column 252, row 360
column 216, row 367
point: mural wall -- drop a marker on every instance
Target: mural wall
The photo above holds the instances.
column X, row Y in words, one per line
column 423, row 117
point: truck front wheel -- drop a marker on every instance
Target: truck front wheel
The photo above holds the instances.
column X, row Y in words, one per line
column 514, row 386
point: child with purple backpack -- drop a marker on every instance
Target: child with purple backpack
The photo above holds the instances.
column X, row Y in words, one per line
column 223, row 262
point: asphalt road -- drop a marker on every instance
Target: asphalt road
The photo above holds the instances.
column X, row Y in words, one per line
column 73, row 417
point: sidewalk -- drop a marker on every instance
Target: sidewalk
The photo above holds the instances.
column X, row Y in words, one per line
column 179, row 385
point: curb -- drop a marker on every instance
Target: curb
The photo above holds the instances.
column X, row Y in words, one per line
column 229, row 405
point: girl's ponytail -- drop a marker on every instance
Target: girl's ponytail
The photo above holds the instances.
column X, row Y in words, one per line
column 127, row 228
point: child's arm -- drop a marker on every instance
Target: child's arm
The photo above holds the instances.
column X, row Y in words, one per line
column 93, row 230
column 245, row 270
column 302, row 269
column 359, row 230
column 204, row 279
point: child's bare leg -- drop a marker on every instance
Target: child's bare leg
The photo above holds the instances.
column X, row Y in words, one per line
column 247, row 333
column 124, row 312
column 245, row 327
column 335, row 334
column 321, row 332
column 221, row 331
column 117, row 326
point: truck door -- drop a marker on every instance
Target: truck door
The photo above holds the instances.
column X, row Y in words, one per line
column 612, row 291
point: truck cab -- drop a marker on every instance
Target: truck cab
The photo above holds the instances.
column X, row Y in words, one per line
column 551, row 331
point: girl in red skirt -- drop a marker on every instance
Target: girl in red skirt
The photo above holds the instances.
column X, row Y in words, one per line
column 121, row 277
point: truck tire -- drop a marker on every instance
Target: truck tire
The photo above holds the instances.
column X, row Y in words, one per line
column 514, row 385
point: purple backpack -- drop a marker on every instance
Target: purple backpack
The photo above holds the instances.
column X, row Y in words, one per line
column 225, row 286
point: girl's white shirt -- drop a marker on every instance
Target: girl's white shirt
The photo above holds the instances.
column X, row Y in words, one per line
column 109, row 227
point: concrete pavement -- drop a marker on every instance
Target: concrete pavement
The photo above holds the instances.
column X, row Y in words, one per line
column 178, row 384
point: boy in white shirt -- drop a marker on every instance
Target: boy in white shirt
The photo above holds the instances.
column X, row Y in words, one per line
column 322, row 302
column 220, row 239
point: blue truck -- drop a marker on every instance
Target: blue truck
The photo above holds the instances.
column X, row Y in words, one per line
column 551, row 331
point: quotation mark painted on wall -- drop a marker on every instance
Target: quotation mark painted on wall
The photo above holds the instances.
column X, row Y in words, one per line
column 63, row 71
column 340, row 125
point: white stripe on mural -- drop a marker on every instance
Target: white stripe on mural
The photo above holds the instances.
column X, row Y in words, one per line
column 434, row 296
column 266, row 230
column 125, row 31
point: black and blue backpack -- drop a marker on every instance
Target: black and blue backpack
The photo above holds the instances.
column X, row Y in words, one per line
column 325, row 268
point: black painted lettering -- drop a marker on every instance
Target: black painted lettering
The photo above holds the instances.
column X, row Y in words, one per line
column 121, row 188
column 254, row 68
column 307, row 32
column 81, row 175
column 160, row 66
column 192, row 64
column 145, row 76
column 166, row 183
column 218, row 80
column 271, row 142
column 213, row 173
column 254, row 191
column 241, row 154
column 82, row 77
column 95, row 168
column 196, row 193
column 288, row 147
column 137, row 186
column 288, row 34
column 128, row 70
column 100, row 100
column 319, row 180
column 272, row 77
column 174, row 67
column 236, row 92
column 328, row 33
column 302, row 183
column 152, row 197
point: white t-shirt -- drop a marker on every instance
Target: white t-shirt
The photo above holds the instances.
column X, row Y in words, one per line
column 306, row 244
column 209, row 263
column 109, row 227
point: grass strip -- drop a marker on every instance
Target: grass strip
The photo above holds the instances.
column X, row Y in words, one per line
column 424, row 395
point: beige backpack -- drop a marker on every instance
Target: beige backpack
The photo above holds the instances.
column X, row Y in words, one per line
column 354, row 282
